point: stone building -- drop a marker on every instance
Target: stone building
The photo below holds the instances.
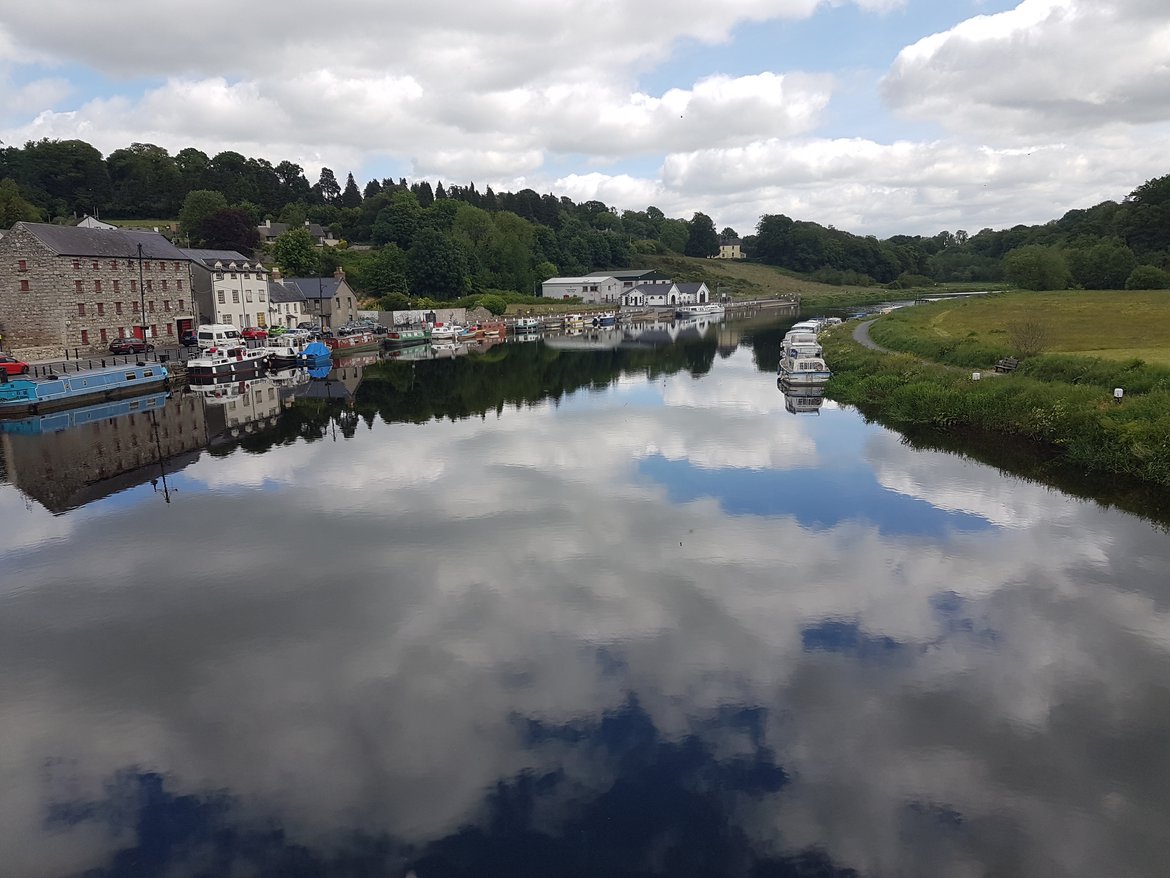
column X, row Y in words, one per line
column 65, row 288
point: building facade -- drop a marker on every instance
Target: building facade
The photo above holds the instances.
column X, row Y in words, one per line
column 228, row 287
column 593, row 289
column 69, row 288
column 328, row 301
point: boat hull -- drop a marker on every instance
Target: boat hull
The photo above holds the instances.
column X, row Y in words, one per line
column 24, row 397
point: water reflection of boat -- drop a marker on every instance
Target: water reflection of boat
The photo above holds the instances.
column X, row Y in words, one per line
column 526, row 336
column 587, row 340
column 801, row 399
column 82, row 415
column 26, row 396
column 803, row 371
column 413, row 352
column 448, row 349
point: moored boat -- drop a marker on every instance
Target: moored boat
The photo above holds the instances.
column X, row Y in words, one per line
column 29, row 396
column 353, row 341
column 706, row 309
column 406, row 337
column 804, row 371
column 445, row 332
column 526, row 324
column 232, row 362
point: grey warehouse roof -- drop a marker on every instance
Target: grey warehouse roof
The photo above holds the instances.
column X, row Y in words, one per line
column 105, row 243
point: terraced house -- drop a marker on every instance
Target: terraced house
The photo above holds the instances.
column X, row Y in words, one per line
column 66, row 288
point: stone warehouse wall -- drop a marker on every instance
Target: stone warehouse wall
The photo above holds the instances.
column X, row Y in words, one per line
column 50, row 304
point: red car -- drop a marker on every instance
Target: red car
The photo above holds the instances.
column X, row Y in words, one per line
column 13, row 367
column 253, row 332
column 130, row 345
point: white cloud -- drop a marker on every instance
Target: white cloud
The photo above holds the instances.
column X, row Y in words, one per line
column 1047, row 66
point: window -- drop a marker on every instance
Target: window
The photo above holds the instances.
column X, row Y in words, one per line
column 166, row 304
column 76, row 264
column 85, row 336
column 233, row 275
column 95, row 265
column 113, row 267
column 180, row 304
column 164, row 284
column 247, row 275
column 121, row 331
column 97, row 286
column 117, row 307
column 22, row 265
column 179, row 287
column 219, row 275
column 220, row 297
column 24, row 286
column 248, row 295
column 101, row 306
column 117, row 286
column 153, row 330
column 81, row 309
column 235, row 297
column 133, row 286
column 77, row 285
column 262, row 296
column 170, row 329
column 105, row 338
column 150, row 286
column 150, row 306
column 146, row 265
column 177, row 264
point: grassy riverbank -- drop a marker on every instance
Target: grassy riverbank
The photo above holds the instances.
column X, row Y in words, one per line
column 1078, row 423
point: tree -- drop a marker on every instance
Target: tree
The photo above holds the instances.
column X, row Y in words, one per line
column 145, row 182
column 1148, row 277
column 673, row 234
column 1035, row 267
column 197, row 207
column 327, row 188
column 728, row 235
column 13, row 207
column 436, row 266
column 230, row 228
column 398, row 221
column 296, row 253
column 495, row 304
column 1104, row 266
column 351, row 197
column 1028, row 337
column 386, row 273
column 701, row 237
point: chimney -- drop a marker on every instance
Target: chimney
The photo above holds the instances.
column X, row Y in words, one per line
column 267, row 223
column 275, row 274
column 340, row 273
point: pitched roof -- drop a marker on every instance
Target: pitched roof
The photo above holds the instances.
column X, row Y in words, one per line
column 628, row 274
column 690, row 288
column 589, row 278
column 314, row 287
column 279, row 293
column 210, row 257
column 106, row 243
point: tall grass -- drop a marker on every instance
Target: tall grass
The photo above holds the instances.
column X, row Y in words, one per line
column 1081, row 422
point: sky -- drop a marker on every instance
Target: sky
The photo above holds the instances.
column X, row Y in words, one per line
column 879, row 117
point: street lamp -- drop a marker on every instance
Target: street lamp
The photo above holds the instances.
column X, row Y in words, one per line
column 141, row 293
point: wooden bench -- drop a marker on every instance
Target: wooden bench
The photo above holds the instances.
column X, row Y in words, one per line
column 1007, row 364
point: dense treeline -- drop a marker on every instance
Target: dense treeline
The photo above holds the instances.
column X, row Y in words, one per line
column 449, row 241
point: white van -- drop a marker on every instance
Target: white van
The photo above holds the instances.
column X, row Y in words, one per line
column 218, row 335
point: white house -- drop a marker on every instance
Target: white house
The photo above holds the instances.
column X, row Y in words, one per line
column 228, row 287
column 658, row 295
column 591, row 289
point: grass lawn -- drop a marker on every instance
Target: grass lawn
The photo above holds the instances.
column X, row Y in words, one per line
column 749, row 280
column 1115, row 325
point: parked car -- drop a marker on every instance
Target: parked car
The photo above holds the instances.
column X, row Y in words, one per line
column 253, row 332
column 130, row 345
column 276, row 331
column 188, row 339
column 13, row 366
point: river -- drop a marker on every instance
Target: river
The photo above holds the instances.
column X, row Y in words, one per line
column 545, row 610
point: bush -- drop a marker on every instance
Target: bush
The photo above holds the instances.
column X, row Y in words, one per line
column 1148, row 277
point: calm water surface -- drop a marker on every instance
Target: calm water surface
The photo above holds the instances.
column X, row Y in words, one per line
column 542, row 611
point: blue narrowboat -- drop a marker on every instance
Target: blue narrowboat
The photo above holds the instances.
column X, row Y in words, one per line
column 32, row 396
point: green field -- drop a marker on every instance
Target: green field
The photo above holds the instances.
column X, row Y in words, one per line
column 1111, row 325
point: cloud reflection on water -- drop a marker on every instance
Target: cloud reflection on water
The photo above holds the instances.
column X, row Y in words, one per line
column 360, row 637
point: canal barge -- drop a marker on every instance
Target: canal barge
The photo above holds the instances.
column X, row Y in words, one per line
column 20, row 397
column 804, row 371
column 232, row 363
